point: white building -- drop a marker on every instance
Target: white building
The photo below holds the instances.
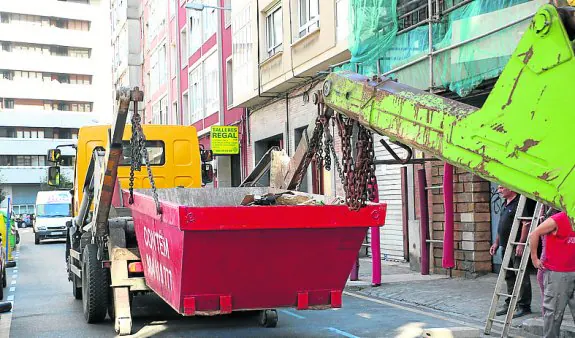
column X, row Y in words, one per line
column 55, row 74
column 126, row 44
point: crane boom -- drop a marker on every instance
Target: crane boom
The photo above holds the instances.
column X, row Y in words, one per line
column 520, row 138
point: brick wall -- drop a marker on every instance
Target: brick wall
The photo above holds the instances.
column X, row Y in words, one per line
column 472, row 222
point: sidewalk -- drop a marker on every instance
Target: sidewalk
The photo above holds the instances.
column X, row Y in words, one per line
column 457, row 297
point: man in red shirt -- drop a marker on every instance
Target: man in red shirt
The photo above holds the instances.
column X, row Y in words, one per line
column 559, row 270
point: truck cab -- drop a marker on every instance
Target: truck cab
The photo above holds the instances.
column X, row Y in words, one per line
column 53, row 210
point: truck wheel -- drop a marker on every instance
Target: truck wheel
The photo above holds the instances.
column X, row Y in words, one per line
column 36, row 239
column 94, row 286
column 4, row 281
column 269, row 318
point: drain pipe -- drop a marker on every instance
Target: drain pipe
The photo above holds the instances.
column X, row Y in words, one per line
column 448, row 261
column 375, row 243
column 423, row 221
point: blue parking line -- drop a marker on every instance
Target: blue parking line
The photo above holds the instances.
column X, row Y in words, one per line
column 343, row 333
column 292, row 314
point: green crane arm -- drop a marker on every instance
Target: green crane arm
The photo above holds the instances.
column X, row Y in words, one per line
column 521, row 138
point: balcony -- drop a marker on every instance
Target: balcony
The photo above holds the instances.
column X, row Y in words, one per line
column 34, row 146
column 30, row 61
column 45, row 118
column 51, row 8
column 46, row 35
column 39, row 90
column 30, row 175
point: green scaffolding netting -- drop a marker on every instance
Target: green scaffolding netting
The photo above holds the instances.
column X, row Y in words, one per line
column 387, row 32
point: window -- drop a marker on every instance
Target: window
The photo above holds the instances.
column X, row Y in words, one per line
column 155, row 151
column 195, row 28
column 242, row 46
column 308, row 16
column 175, row 113
column 9, row 103
column 156, row 18
column 154, row 73
column 228, row 12
column 212, row 84
column 156, row 119
column 210, row 19
column 196, row 95
column 229, row 83
column 7, row 75
column 164, row 110
column 186, row 109
column 173, row 6
column 184, row 47
column 163, row 59
column 274, row 32
column 341, row 22
column 79, row 53
column 173, row 54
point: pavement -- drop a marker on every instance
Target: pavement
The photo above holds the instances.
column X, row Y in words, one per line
column 44, row 307
column 465, row 299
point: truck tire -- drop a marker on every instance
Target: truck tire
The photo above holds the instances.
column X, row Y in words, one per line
column 95, row 286
column 36, row 239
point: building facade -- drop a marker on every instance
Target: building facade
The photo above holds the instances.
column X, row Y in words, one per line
column 126, row 44
column 185, row 71
column 54, row 79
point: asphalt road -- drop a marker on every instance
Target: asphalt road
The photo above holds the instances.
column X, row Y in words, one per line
column 44, row 307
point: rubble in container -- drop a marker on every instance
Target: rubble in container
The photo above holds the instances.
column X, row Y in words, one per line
column 290, row 198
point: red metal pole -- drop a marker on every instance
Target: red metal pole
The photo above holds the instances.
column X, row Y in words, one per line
column 375, row 243
column 448, row 261
column 423, row 221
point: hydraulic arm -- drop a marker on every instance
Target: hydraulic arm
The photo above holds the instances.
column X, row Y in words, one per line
column 520, row 138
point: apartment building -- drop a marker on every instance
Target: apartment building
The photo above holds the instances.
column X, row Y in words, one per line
column 54, row 78
column 206, row 79
column 126, row 44
column 281, row 51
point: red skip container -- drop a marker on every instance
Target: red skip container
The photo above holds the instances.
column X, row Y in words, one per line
column 206, row 254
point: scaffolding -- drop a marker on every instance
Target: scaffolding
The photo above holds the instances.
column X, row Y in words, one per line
column 434, row 44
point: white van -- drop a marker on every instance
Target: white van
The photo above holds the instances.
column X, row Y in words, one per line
column 53, row 210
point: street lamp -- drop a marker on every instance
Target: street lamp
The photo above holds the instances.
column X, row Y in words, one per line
column 201, row 7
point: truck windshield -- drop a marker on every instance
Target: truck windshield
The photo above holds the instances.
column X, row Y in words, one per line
column 53, row 210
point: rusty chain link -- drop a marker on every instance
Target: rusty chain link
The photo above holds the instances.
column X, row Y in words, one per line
column 139, row 150
column 357, row 175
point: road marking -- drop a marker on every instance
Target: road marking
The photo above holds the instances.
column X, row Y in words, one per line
column 397, row 306
column 14, row 276
column 12, row 289
column 343, row 333
column 10, row 298
column 13, row 282
column 365, row 315
column 289, row 313
column 15, row 271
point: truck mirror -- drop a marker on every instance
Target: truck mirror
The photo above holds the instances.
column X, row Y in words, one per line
column 54, row 176
column 207, row 173
column 54, row 155
column 206, row 155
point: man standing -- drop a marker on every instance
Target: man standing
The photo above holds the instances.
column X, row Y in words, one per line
column 506, row 219
column 558, row 270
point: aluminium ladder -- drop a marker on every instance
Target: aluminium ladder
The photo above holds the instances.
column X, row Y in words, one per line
column 511, row 245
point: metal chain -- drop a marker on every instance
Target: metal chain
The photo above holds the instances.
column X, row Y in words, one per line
column 357, row 175
column 139, row 141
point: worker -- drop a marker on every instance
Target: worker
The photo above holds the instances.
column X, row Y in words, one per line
column 506, row 218
column 558, row 270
